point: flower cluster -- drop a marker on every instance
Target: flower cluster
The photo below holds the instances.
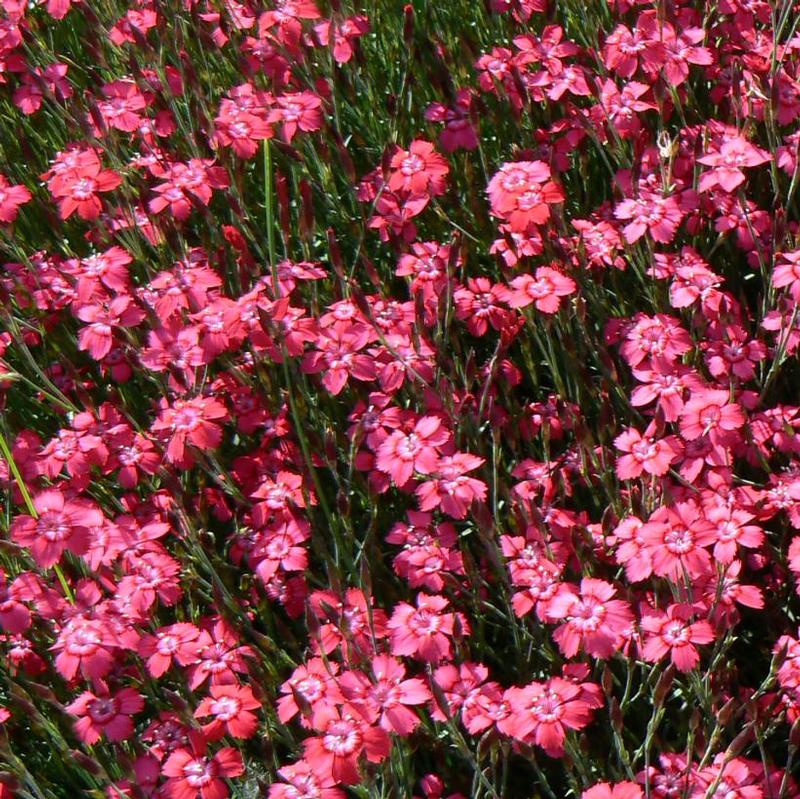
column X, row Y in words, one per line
column 400, row 401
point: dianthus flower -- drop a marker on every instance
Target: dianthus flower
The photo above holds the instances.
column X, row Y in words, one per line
column 297, row 111
column 674, row 633
column 105, row 715
column 675, row 538
column 190, row 421
column 542, row 713
column 420, row 170
column 61, row 524
column 727, row 163
column 178, row 641
column 402, row 454
column 387, row 696
column 301, row 781
column 619, row 790
column 229, row 707
column 710, row 412
column 593, row 621
column 449, row 487
column 11, row 198
column 544, row 289
column 191, row 773
column 345, row 737
column 76, row 180
column 644, row 453
column 425, row 631
column 185, row 183
column 521, row 193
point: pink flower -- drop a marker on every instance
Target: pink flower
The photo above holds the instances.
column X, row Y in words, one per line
column 388, row 696
column 654, row 340
column 178, row 641
column 310, row 691
column 675, row 538
column 402, row 454
column 787, row 273
column 88, row 646
column 11, row 198
column 229, row 707
column 425, row 631
column 710, row 412
column 105, row 715
column 645, row 453
column 732, row 530
column 303, row 782
column 186, row 184
column 545, row 289
column 420, row 170
column 345, row 737
column 652, row 212
column 593, row 621
column 673, row 633
column 97, row 337
column 297, row 111
column 61, row 525
column 190, row 422
column 76, row 187
column 541, row 713
column 620, row 790
column 450, row 489
column 734, row 154
column 191, row 773
column 521, row 193
column 338, row 355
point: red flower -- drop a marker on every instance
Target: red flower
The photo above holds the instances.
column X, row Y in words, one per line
column 302, row 782
column 655, row 213
column 710, row 412
column 297, row 111
column 178, row 641
column 645, row 453
column 62, row 524
column 425, row 631
column 787, row 273
column 97, row 337
column 11, row 197
column 673, row 633
column 190, row 421
column 620, row 790
column 345, row 737
column 338, row 356
column 734, row 154
column 420, row 170
column 105, row 715
column 402, row 454
column 230, row 706
column 188, row 183
column 77, row 179
column 85, row 645
column 311, row 690
column 541, row 713
column 387, row 696
column 450, row 489
column 122, row 105
column 593, row 621
column 521, row 193
column 191, row 773
column 675, row 538
column 545, row 290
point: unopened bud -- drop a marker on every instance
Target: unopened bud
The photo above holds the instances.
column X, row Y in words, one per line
column 408, row 23
column 86, row 762
column 663, row 685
